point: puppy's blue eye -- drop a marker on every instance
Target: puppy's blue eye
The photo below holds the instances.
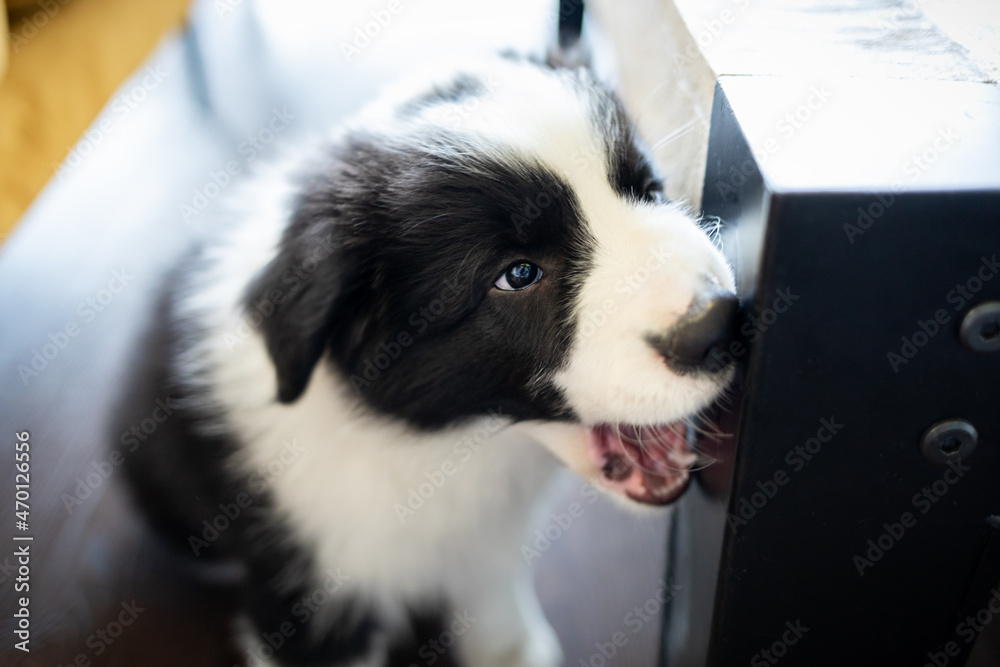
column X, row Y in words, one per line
column 518, row 276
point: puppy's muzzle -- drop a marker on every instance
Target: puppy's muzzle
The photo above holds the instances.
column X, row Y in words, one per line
column 702, row 337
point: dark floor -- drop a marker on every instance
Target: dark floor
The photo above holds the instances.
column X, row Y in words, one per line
column 98, row 567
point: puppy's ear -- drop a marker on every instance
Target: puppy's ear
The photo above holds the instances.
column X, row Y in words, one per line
column 570, row 51
column 295, row 294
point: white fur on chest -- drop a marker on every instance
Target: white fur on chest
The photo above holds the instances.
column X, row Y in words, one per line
column 403, row 516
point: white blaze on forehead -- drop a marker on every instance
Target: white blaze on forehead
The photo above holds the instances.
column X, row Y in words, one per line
column 531, row 112
column 646, row 274
column 650, row 264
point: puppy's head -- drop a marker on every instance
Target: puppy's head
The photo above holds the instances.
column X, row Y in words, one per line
column 499, row 241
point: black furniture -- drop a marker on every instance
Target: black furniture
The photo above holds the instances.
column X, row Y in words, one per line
column 852, row 519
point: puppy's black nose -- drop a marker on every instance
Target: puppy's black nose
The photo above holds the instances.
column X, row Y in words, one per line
column 701, row 340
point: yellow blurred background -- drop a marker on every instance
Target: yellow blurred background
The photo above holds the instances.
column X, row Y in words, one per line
column 60, row 62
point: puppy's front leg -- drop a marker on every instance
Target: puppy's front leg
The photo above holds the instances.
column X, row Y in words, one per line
column 506, row 627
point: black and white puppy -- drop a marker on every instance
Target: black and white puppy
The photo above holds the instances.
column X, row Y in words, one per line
column 392, row 334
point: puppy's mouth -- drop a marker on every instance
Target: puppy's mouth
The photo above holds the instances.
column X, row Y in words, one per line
column 649, row 464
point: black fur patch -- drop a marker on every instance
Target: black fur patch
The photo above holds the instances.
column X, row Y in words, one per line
column 630, row 171
column 429, row 642
column 406, row 307
column 461, row 87
column 181, row 474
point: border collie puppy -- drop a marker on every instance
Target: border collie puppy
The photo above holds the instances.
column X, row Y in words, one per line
column 394, row 339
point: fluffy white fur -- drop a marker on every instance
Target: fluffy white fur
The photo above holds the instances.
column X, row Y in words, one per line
column 652, row 265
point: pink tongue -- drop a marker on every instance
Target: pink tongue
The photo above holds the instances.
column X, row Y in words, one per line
column 649, row 464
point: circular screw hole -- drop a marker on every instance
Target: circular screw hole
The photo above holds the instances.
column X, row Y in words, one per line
column 951, row 445
column 949, row 440
column 980, row 330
